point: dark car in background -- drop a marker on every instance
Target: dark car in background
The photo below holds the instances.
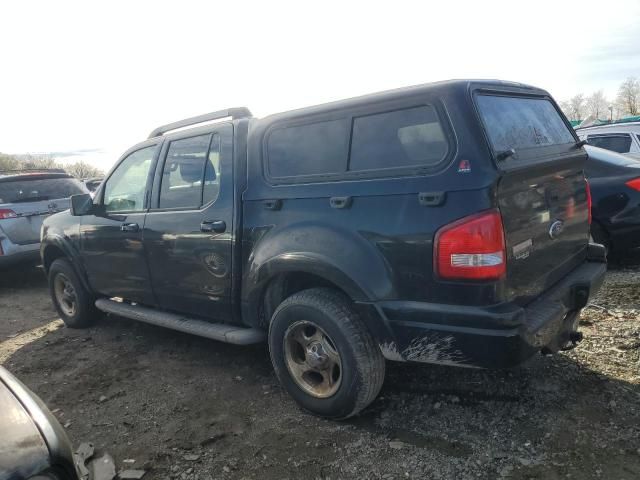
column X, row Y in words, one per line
column 615, row 193
column 33, row 444
column 27, row 198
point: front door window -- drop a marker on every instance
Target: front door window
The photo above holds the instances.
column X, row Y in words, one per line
column 124, row 190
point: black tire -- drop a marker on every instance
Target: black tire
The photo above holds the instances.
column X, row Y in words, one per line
column 84, row 312
column 362, row 365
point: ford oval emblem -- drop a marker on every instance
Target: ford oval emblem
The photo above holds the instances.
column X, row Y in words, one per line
column 556, row 229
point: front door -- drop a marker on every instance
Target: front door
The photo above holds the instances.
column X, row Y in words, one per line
column 111, row 239
column 188, row 231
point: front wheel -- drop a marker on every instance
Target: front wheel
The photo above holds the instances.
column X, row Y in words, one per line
column 323, row 354
column 72, row 301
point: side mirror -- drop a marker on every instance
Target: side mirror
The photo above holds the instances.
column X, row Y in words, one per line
column 81, row 204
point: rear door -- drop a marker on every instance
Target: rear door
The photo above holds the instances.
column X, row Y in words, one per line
column 188, row 232
column 26, row 200
column 541, row 191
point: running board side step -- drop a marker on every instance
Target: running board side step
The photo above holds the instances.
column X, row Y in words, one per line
column 215, row 331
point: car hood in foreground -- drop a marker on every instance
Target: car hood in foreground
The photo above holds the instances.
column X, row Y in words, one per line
column 31, row 439
column 23, row 451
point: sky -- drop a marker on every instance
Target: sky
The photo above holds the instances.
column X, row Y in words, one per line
column 97, row 77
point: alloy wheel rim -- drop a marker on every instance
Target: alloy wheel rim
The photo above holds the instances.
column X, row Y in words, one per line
column 312, row 359
column 65, row 294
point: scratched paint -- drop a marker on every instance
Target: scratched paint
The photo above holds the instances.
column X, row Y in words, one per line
column 425, row 349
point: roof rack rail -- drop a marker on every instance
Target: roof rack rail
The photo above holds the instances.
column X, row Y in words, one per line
column 234, row 113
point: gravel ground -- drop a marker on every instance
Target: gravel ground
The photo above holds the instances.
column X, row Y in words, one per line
column 188, row 408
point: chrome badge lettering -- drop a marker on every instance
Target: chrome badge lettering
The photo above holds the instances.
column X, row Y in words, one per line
column 522, row 249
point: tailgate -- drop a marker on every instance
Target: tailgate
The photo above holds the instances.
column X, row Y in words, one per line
column 542, row 192
column 545, row 218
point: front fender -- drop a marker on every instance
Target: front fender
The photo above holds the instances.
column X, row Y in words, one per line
column 60, row 233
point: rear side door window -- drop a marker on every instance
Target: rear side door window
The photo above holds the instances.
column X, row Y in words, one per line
column 190, row 176
column 124, row 190
column 367, row 144
column 317, row 148
column 411, row 137
column 211, row 183
column 620, row 143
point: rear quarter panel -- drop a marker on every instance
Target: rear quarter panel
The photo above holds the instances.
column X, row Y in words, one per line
column 381, row 247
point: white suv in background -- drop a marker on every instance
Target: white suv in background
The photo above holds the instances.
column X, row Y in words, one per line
column 619, row 137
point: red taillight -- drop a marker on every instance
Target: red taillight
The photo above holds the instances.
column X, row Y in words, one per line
column 471, row 248
column 635, row 184
column 7, row 213
column 588, row 187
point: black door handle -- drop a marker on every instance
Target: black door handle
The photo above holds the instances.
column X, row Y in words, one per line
column 129, row 227
column 273, row 204
column 340, row 202
column 217, row 226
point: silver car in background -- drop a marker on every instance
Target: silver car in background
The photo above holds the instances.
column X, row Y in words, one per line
column 622, row 138
column 27, row 197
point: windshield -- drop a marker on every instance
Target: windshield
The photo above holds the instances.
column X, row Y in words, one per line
column 32, row 190
column 521, row 123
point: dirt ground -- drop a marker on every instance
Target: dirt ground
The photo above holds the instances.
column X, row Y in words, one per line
column 188, row 408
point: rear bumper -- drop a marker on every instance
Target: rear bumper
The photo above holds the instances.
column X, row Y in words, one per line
column 498, row 336
column 13, row 254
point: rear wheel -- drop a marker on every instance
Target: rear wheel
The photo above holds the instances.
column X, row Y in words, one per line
column 72, row 301
column 323, row 354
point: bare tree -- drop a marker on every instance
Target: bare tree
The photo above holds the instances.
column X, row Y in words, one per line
column 629, row 96
column 565, row 106
column 598, row 105
column 577, row 106
column 8, row 162
column 79, row 169
column 82, row 170
column 38, row 161
column 574, row 107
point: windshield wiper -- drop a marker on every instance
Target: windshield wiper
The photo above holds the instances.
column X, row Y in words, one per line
column 581, row 143
column 504, row 154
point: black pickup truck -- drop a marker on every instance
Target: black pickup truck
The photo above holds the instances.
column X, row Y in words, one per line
column 443, row 223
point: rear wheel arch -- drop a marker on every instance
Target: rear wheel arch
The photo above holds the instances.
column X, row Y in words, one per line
column 286, row 284
column 283, row 285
